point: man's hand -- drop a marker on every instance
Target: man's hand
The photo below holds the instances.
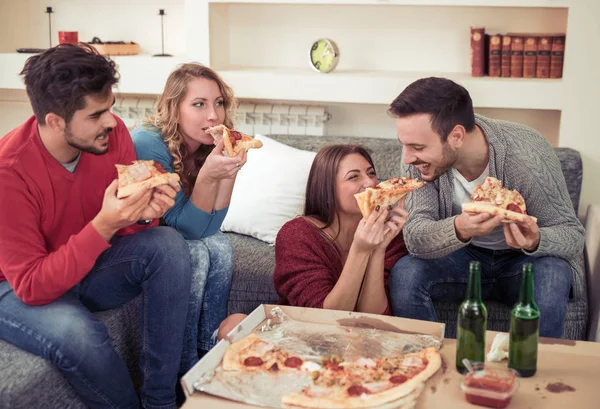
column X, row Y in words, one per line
column 116, row 213
column 524, row 235
column 163, row 198
column 468, row 225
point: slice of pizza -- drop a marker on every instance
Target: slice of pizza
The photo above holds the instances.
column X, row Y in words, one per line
column 233, row 141
column 386, row 193
column 251, row 354
column 491, row 197
column 139, row 174
column 367, row 382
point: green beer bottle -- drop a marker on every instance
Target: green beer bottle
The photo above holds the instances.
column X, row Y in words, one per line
column 472, row 320
column 524, row 328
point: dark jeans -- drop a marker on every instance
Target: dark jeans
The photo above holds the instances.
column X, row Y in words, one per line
column 415, row 283
column 155, row 263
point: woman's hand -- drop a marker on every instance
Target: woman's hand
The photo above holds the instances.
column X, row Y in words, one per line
column 217, row 166
column 394, row 225
column 371, row 232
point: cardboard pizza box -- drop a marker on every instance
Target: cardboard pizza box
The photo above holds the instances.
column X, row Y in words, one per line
column 567, row 375
column 200, row 400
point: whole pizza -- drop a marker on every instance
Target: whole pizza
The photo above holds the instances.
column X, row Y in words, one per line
column 335, row 383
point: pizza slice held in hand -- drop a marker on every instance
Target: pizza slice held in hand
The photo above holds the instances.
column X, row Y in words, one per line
column 490, row 197
column 386, row 193
column 233, row 141
column 140, row 174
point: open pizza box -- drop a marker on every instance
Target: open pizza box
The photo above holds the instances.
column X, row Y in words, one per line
column 567, row 374
column 261, row 317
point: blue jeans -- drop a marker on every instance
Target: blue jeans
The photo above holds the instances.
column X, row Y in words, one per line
column 212, row 265
column 154, row 262
column 415, row 283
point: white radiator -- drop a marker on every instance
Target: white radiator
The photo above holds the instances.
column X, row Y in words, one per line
column 251, row 118
column 282, row 119
column 133, row 110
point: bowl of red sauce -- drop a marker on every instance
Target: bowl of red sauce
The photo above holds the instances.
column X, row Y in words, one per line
column 491, row 387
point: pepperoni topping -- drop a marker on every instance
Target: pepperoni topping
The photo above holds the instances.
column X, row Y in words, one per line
column 397, row 379
column 293, row 362
column 236, row 135
column 356, row 390
column 253, row 361
column 159, row 167
column 334, row 367
column 514, row 208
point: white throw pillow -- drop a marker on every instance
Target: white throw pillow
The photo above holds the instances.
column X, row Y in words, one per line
column 269, row 190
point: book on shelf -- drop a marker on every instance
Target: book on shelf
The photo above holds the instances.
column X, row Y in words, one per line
column 517, row 55
column 530, row 56
column 542, row 69
column 505, row 61
column 557, row 56
column 495, row 55
column 477, row 51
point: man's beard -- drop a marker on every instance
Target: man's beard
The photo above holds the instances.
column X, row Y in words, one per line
column 74, row 142
column 449, row 157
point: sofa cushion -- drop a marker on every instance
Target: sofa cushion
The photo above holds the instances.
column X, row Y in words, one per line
column 252, row 283
column 269, row 190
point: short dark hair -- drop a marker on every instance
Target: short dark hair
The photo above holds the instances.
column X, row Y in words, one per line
column 448, row 103
column 59, row 79
column 321, row 196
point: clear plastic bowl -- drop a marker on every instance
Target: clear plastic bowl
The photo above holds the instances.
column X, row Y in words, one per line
column 491, row 387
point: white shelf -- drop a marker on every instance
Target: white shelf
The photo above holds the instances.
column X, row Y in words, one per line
column 382, row 87
column 140, row 74
column 460, row 3
column 146, row 75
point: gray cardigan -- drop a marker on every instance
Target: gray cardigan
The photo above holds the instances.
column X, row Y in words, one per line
column 523, row 160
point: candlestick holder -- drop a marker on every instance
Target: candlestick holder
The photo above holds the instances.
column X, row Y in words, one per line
column 161, row 13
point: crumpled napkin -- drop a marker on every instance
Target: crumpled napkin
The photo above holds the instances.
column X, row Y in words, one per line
column 499, row 349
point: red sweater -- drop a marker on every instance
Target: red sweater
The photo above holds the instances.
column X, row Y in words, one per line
column 307, row 266
column 47, row 243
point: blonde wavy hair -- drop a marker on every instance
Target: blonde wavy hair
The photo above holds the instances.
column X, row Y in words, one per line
column 167, row 118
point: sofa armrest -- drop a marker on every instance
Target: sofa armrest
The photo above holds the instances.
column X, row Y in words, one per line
column 592, row 264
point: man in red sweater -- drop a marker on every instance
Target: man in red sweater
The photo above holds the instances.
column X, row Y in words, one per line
column 69, row 247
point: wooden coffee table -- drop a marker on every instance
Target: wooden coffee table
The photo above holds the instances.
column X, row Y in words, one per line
column 562, row 364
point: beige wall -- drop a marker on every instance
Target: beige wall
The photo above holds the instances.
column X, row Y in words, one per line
column 580, row 127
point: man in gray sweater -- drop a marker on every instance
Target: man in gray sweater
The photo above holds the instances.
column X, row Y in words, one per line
column 454, row 150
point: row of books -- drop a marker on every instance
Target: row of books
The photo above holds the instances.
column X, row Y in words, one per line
column 517, row 55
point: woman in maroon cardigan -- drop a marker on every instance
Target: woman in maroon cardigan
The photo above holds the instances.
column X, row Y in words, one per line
column 331, row 257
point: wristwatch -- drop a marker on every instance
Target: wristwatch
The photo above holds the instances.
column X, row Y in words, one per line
column 144, row 222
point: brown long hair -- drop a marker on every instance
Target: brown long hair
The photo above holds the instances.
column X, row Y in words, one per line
column 167, row 118
column 321, row 193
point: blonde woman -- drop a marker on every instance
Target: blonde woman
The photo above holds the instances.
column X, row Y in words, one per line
column 194, row 99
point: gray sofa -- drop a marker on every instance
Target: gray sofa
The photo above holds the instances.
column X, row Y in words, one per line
column 27, row 381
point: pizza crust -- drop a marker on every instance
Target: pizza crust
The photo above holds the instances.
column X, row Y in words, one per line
column 386, row 193
column 434, row 362
column 231, row 361
column 393, row 394
column 222, row 133
column 482, row 207
column 154, row 181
